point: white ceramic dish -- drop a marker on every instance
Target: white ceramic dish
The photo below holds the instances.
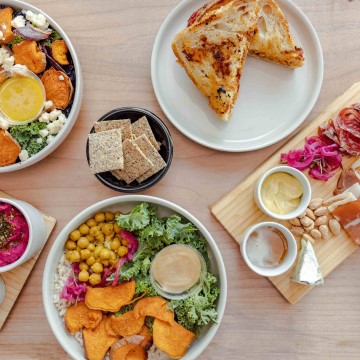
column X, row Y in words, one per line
column 126, row 203
column 289, row 259
column 273, row 100
column 78, row 94
column 305, row 198
column 37, row 231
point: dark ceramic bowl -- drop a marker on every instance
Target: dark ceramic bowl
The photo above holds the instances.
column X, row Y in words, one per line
column 162, row 135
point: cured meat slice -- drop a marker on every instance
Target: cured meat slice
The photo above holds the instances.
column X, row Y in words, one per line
column 327, row 130
column 349, row 120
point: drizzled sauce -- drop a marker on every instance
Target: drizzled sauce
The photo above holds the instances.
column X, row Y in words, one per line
column 267, row 247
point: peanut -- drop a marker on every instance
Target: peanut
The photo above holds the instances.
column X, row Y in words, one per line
column 315, row 233
column 310, row 214
column 334, row 226
column 321, row 211
column 324, row 230
column 308, row 237
column 295, row 222
column 309, row 228
column 297, row 230
column 321, row 220
column 305, row 221
column 315, row 203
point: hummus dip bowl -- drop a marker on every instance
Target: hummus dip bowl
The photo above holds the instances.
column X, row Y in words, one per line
column 126, row 203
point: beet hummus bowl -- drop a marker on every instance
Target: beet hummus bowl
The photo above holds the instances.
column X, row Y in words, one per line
column 22, row 233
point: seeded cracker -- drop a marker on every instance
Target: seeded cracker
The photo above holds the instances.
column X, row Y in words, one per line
column 135, row 163
column 141, row 127
column 152, row 154
column 124, row 125
column 105, row 151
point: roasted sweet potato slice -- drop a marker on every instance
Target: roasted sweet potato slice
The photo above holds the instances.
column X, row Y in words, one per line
column 9, row 149
column 136, row 353
column 58, row 88
column 173, row 338
column 148, row 340
column 154, row 306
column 122, row 352
column 110, row 298
column 28, row 53
column 59, row 50
column 5, row 25
column 79, row 316
column 97, row 341
column 127, row 324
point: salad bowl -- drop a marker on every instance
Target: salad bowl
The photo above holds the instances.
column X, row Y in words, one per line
column 127, row 203
column 74, row 107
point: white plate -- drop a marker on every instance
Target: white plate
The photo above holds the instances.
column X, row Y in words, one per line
column 78, row 94
column 273, row 100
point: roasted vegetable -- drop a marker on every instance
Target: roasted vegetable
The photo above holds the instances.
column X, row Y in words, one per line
column 28, row 53
column 59, row 51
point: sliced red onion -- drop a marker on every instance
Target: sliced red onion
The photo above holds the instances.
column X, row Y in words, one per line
column 30, row 32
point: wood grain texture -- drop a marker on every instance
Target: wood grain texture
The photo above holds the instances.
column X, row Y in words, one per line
column 16, row 278
column 237, row 210
column 114, row 40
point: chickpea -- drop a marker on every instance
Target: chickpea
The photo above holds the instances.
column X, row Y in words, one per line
column 124, row 242
column 117, row 228
column 100, row 237
column 68, row 254
column 99, row 217
column 107, row 229
column 117, row 213
column 105, row 262
column 83, row 276
column 70, row 245
column 75, row 235
column 91, row 222
column 122, row 251
column 84, row 229
column 115, row 244
column 83, row 242
column 83, row 266
column 113, row 256
column 101, row 225
column 97, row 267
column 75, row 256
column 109, row 216
column 85, row 254
column 94, row 230
column 91, row 260
column 104, row 254
column 90, row 238
column 94, row 279
column 97, row 250
column 78, row 248
column 91, row 247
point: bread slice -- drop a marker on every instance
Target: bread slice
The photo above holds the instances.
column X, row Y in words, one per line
column 213, row 51
column 272, row 41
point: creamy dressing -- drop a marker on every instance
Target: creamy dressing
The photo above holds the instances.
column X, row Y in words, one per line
column 281, row 193
column 176, row 268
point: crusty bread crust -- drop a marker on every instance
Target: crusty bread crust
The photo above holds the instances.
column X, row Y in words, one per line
column 213, row 51
column 273, row 41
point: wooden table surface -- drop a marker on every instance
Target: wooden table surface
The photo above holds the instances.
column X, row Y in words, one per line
column 114, row 41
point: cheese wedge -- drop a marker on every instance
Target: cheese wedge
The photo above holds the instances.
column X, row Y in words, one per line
column 213, row 51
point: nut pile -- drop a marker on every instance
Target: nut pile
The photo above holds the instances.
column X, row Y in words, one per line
column 315, row 223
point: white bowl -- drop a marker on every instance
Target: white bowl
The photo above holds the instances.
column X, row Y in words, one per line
column 78, row 94
column 289, row 259
column 126, row 203
column 37, row 231
column 305, row 198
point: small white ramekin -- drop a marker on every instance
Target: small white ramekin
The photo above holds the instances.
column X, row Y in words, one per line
column 289, row 259
column 37, row 232
column 305, row 198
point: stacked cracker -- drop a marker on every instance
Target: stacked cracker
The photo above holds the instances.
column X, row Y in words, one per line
column 129, row 150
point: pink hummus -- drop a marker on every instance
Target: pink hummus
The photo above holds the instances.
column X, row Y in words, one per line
column 14, row 234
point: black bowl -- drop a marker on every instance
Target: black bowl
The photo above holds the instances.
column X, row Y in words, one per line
column 162, row 135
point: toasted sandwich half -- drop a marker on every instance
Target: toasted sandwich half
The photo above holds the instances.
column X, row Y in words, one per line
column 213, row 51
column 272, row 41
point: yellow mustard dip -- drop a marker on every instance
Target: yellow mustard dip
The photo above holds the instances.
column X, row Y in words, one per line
column 21, row 98
column 281, row 193
column 176, row 268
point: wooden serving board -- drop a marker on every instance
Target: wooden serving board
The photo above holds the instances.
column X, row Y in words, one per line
column 16, row 278
column 237, row 210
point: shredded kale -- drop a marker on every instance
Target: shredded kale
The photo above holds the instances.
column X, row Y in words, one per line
column 125, row 309
column 17, row 39
column 155, row 233
column 26, row 136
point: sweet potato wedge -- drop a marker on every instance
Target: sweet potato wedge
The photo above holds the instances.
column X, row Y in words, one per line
column 5, row 25
column 59, row 50
column 58, row 88
column 28, row 53
column 148, row 340
column 79, row 316
column 9, row 149
column 154, row 306
column 128, row 351
column 127, row 324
